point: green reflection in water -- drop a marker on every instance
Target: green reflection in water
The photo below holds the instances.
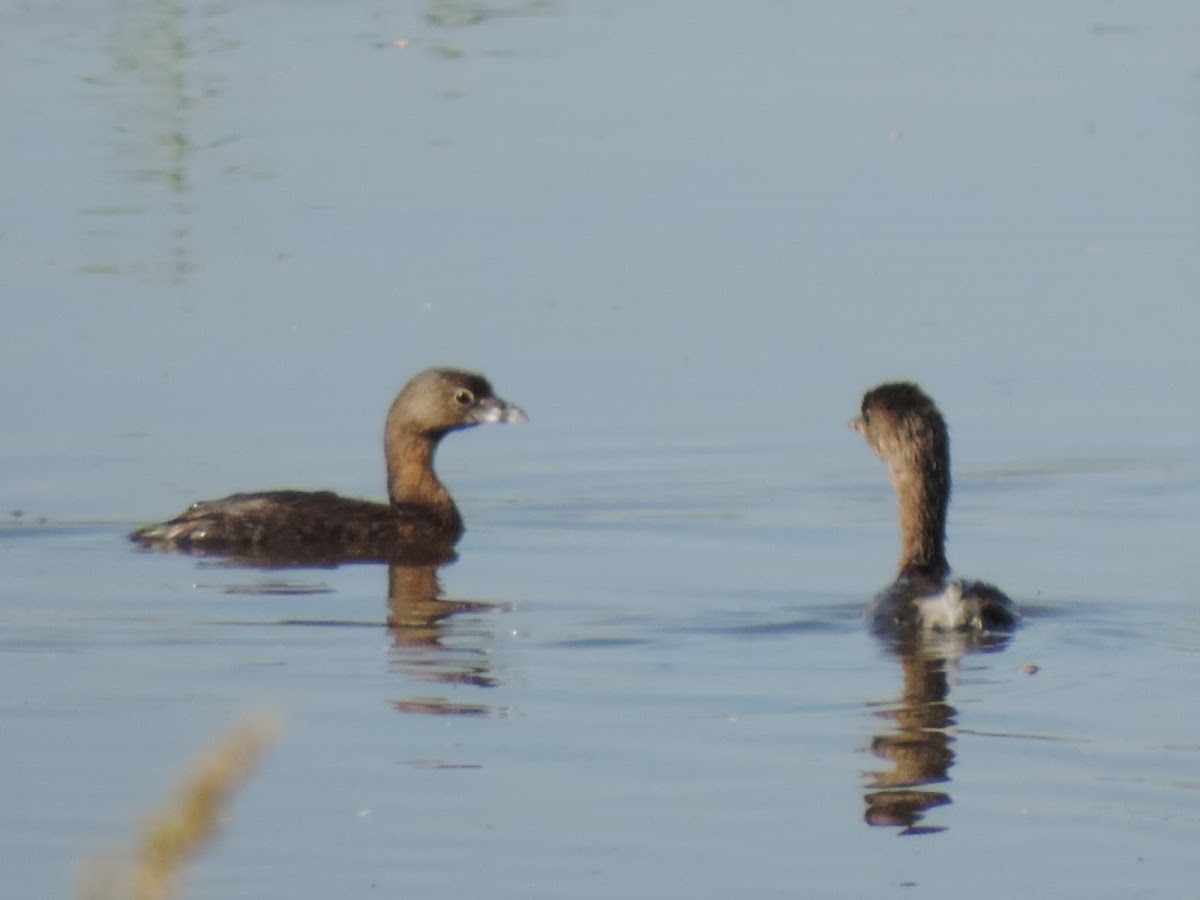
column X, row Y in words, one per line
column 140, row 222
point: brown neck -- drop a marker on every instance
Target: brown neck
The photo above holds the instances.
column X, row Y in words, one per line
column 923, row 492
column 411, row 479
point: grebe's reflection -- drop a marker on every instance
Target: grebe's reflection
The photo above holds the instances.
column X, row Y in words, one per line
column 434, row 641
column 426, row 649
column 918, row 742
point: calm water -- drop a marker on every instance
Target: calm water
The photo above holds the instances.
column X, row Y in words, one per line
column 684, row 237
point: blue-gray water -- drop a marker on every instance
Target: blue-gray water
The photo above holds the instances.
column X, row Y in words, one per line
column 684, row 237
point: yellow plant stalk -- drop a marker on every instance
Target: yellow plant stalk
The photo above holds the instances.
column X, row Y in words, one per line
column 177, row 832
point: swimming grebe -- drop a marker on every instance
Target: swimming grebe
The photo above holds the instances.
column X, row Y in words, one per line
column 903, row 426
column 420, row 518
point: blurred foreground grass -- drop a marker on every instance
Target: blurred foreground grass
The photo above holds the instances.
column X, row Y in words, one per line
column 175, row 833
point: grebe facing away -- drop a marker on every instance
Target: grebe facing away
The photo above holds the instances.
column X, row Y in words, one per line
column 903, row 426
column 420, row 518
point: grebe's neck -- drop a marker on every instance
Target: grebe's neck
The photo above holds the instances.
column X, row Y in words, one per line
column 922, row 484
column 411, row 479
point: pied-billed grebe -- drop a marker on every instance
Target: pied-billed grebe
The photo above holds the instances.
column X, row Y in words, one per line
column 903, row 426
column 320, row 525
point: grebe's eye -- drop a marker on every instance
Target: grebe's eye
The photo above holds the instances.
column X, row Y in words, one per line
column 465, row 397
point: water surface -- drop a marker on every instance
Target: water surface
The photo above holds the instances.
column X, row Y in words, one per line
column 685, row 238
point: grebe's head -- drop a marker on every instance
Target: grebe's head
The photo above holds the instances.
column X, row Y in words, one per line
column 436, row 401
column 902, row 425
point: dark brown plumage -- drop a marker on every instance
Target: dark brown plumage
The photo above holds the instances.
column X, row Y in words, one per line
column 904, row 427
column 420, row 521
